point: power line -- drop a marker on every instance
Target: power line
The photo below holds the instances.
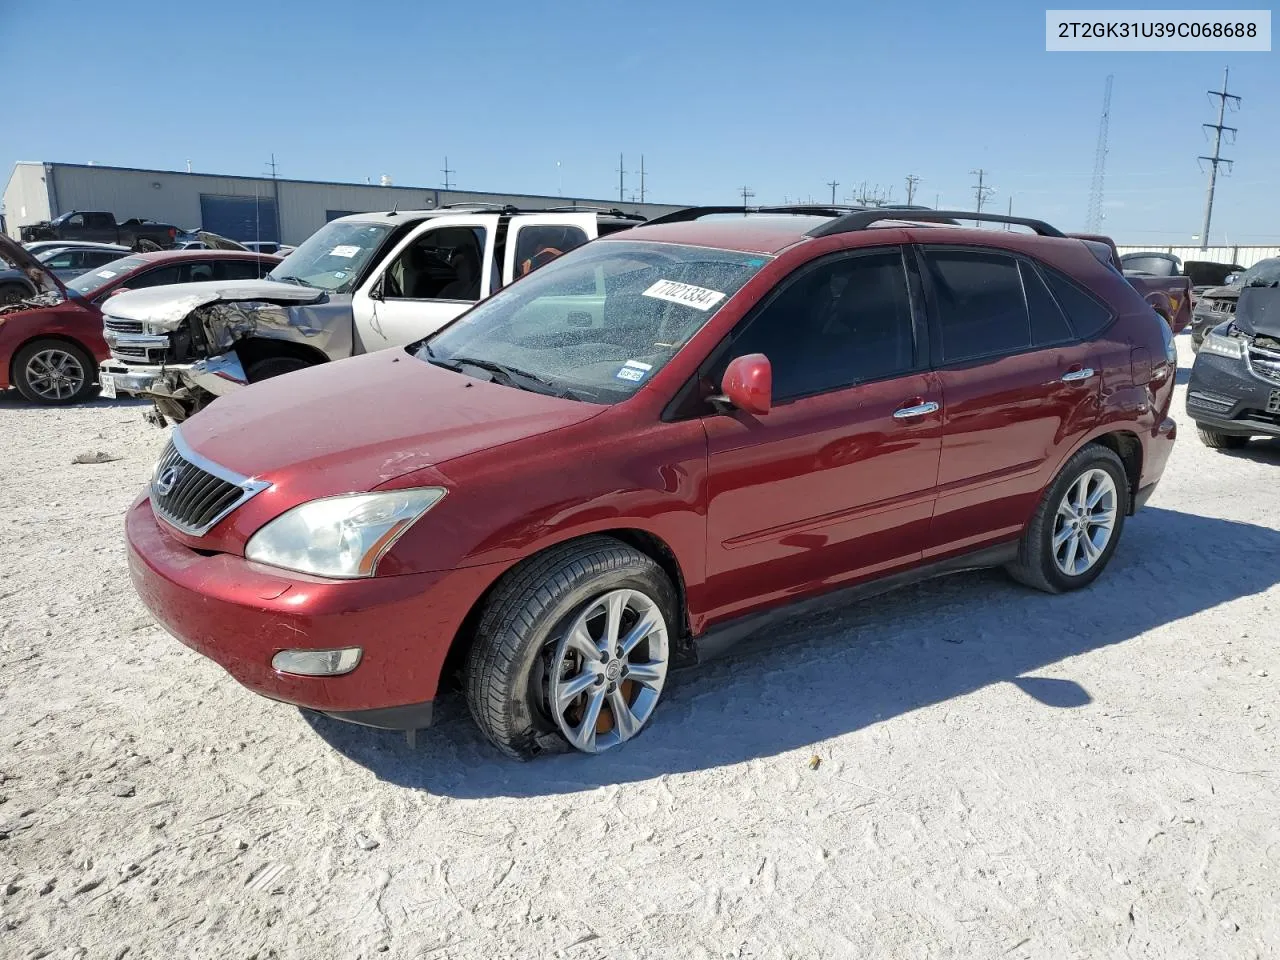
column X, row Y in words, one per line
column 981, row 192
column 747, row 194
column 1217, row 158
column 446, row 170
column 833, row 184
column 1093, row 221
column 622, row 189
column 912, row 180
column 642, row 178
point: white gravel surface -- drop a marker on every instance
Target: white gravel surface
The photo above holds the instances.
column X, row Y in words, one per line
column 1002, row 773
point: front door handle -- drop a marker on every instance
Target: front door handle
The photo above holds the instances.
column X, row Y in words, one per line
column 1073, row 375
column 919, row 410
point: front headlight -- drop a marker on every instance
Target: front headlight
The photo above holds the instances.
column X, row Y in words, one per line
column 1220, row 346
column 340, row 536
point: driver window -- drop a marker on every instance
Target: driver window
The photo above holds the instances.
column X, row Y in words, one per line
column 539, row 245
column 77, row 220
column 442, row 264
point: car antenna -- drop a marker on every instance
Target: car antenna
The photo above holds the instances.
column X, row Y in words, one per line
column 395, row 207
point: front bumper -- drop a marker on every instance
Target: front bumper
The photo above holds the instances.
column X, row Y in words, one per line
column 130, row 378
column 241, row 614
column 1226, row 396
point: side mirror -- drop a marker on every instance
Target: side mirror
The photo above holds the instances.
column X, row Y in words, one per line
column 375, row 292
column 748, row 384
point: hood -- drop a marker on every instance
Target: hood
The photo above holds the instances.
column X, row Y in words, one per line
column 44, row 280
column 1219, row 293
column 214, row 242
column 172, row 303
column 357, row 423
column 1258, row 313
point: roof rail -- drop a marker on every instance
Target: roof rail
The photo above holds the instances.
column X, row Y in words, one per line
column 863, row 219
column 810, row 209
column 588, row 208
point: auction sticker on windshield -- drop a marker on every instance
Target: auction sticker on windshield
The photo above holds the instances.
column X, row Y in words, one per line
column 106, row 274
column 700, row 298
column 347, row 250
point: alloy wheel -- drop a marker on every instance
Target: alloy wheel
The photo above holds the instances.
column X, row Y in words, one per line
column 608, row 670
column 1084, row 523
column 55, row 374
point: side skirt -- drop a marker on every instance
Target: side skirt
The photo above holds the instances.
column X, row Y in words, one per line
column 725, row 637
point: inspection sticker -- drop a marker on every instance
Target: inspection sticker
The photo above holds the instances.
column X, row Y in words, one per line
column 346, row 250
column 700, row 298
column 106, row 274
column 634, row 371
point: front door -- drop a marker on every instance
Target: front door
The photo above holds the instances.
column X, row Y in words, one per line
column 836, row 482
column 1020, row 391
column 437, row 272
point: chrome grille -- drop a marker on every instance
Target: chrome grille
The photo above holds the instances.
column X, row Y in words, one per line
column 192, row 493
column 123, row 326
column 1265, row 363
column 132, row 353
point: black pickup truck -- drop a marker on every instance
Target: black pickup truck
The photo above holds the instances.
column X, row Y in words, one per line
column 137, row 234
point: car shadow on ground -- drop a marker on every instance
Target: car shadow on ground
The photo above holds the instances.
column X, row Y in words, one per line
column 1257, row 450
column 11, row 399
column 828, row 674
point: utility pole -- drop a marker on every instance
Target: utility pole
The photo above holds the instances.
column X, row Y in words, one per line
column 937, row 201
column 981, row 192
column 912, row 180
column 747, row 194
column 446, row 170
column 621, row 181
column 833, row 184
column 1007, row 226
column 1217, row 158
column 1093, row 221
column 642, row 178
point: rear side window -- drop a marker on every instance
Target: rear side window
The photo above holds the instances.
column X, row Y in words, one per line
column 154, row 278
column 1088, row 316
column 979, row 302
column 237, row 270
column 539, row 245
column 1048, row 325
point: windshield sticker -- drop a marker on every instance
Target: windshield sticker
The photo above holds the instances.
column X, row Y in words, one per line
column 344, row 250
column 633, row 370
column 106, row 274
column 700, row 298
column 340, row 275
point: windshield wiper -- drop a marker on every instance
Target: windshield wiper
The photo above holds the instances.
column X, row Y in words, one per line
column 287, row 279
column 509, row 375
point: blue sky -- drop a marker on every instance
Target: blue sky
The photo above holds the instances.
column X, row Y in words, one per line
column 778, row 97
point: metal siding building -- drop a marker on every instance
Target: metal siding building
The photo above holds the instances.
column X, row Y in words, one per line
column 39, row 191
column 1242, row 255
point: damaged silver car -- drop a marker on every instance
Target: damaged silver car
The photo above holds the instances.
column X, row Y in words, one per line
column 361, row 283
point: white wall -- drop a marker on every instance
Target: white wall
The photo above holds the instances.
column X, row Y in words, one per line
column 26, row 198
column 1244, row 256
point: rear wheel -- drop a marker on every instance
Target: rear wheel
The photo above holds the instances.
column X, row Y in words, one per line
column 572, row 646
column 1220, row 441
column 1077, row 525
column 270, row 367
column 54, row 372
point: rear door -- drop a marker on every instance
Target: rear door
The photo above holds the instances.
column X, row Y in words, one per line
column 435, row 273
column 1019, row 389
column 837, row 481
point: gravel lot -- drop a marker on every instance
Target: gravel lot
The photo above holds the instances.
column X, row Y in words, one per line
column 1002, row 773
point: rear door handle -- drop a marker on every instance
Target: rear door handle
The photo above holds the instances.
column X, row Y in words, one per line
column 1074, row 375
column 919, row 410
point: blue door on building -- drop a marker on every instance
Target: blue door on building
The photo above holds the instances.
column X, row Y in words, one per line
column 239, row 218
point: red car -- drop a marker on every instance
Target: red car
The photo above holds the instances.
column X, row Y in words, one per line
column 50, row 346
column 631, row 457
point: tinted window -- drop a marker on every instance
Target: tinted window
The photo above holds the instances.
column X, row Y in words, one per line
column 979, row 302
column 99, row 220
column 1159, row 266
column 844, row 322
column 239, row 270
column 1087, row 315
column 196, row 272
column 1048, row 325
column 539, row 245
column 96, row 258
column 75, row 220
column 155, row 278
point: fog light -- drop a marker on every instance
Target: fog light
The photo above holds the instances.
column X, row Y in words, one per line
column 317, row 663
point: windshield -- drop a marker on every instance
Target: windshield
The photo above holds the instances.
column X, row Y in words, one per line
column 1262, row 273
column 1159, row 266
column 88, row 284
column 333, row 256
column 597, row 323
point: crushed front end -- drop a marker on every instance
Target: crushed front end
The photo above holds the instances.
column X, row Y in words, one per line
column 1234, row 389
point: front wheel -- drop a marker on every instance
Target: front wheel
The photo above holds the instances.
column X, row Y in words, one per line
column 1077, row 525
column 1220, row 441
column 573, row 645
column 54, row 372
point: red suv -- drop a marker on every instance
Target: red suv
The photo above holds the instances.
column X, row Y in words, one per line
column 626, row 459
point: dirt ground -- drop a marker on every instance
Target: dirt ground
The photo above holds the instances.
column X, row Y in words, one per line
column 1002, row 773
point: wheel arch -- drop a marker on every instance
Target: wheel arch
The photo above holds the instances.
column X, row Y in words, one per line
column 646, row 542
column 12, row 368
column 253, row 349
column 1126, row 445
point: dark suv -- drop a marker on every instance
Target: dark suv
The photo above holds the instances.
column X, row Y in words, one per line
column 631, row 457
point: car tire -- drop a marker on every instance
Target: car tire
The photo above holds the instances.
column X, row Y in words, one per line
column 270, row 367
column 1220, row 441
column 13, row 293
column 147, row 246
column 55, row 372
column 522, row 656
column 1047, row 559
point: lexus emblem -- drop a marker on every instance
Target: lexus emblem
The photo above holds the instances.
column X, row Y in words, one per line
column 166, row 480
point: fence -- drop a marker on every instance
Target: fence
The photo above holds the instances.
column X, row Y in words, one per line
column 1242, row 255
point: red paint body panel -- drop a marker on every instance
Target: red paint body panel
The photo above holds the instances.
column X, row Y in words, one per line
column 755, row 509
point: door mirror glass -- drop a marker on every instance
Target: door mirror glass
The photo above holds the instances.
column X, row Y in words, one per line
column 748, row 383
